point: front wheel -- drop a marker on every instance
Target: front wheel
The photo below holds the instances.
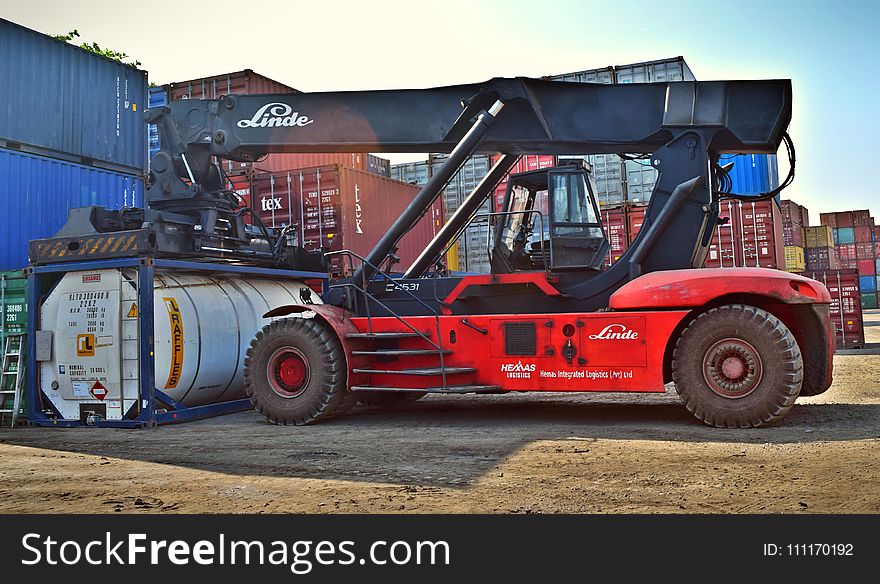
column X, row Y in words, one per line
column 737, row 366
column 296, row 372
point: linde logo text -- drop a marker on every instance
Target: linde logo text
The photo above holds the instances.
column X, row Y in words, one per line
column 275, row 115
column 615, row 332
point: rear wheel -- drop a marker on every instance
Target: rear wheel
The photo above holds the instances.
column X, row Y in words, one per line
column 737, row 366
column 296, row 372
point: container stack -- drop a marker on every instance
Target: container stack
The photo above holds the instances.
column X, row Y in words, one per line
column 820, row 254
column 855, row 246
column 794, row 219
column 751, row 236
column 336, row 207
column 52, row 161
column 846, row 308
column 471, row 253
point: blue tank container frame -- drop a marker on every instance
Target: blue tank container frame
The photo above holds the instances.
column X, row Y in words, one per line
column 154, row 407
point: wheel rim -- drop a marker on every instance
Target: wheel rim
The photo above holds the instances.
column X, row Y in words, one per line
column 732, row 368
column 288, row 372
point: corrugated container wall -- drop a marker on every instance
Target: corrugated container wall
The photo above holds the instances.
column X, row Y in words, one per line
column 472, row 249
column 354, row 210
column 62, row 101
column 846, row 305
column 38, row 191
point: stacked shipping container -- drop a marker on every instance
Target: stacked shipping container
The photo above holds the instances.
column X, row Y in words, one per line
column 71, row 134
column 855, row 248
column 335, row 207
column 751, row 236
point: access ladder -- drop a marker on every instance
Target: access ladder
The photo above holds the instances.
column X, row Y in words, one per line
column 11, row 378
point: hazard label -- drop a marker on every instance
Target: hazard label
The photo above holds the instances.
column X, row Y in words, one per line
column 85, row 345
column 133, row 311
column 99, row 391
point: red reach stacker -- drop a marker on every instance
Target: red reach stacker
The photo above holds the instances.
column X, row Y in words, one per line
column 740, row 345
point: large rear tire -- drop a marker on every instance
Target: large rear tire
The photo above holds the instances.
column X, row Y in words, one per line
column 737, row 366
column 296, row 372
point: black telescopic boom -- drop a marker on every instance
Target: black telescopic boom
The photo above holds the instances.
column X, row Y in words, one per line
column 462, row 215
column 423, row 201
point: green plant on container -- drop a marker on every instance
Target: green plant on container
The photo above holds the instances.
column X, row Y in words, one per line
column 93, row 47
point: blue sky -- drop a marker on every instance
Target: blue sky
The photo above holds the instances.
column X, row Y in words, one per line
column 830, row 50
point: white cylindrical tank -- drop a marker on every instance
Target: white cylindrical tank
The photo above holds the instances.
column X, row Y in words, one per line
column 202, row 327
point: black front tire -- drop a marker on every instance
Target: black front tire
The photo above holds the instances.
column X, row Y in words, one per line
column 737, row 366
column 321, row 390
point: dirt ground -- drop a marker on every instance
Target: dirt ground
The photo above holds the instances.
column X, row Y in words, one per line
column 505, row 454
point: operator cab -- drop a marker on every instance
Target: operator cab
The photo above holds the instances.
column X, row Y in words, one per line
column 550, row 221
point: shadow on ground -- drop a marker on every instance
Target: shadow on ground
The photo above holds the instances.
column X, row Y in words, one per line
column 440, row 440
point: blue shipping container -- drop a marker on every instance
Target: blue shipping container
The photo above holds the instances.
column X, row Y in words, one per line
column 868, row 283
column 62, row 101
column 752, row 174
column 158, row 98
column 37, row 192
column 844, row 235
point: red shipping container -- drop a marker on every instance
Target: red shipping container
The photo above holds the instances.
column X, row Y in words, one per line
column 844, row 218
column 866, row 267
column 614, row 221
column 793, row 234
column 864, row 233
column 865, row 250
column 848, row 264
column 794, row 214
column 845, row 251
column 846, row 305
column 821, row 258
column 635, row 219
column 862, row 218
column 829, row 219
column 752, row 238
column 524, row 164
column 354, row 211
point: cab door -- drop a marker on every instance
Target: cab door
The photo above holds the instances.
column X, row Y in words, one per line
column 576, row 237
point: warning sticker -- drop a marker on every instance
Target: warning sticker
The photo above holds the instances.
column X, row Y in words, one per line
column 176, row 342
column 85, row 345
column 133, row 311
column 99, row 391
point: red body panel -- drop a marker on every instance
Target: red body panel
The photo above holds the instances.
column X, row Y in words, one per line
column 692, row 288
column 620, row 352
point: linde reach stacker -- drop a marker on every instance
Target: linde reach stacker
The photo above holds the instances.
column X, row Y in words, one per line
column 740, row 344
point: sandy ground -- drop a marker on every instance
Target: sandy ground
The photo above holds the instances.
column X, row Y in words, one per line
column 506, row 454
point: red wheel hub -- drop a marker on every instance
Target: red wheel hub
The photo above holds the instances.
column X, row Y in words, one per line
column 288, row 372
column 732, row 368
column 292, row 371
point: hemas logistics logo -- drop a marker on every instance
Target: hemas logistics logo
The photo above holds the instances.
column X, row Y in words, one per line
column 518, row 370
column 275, row 115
